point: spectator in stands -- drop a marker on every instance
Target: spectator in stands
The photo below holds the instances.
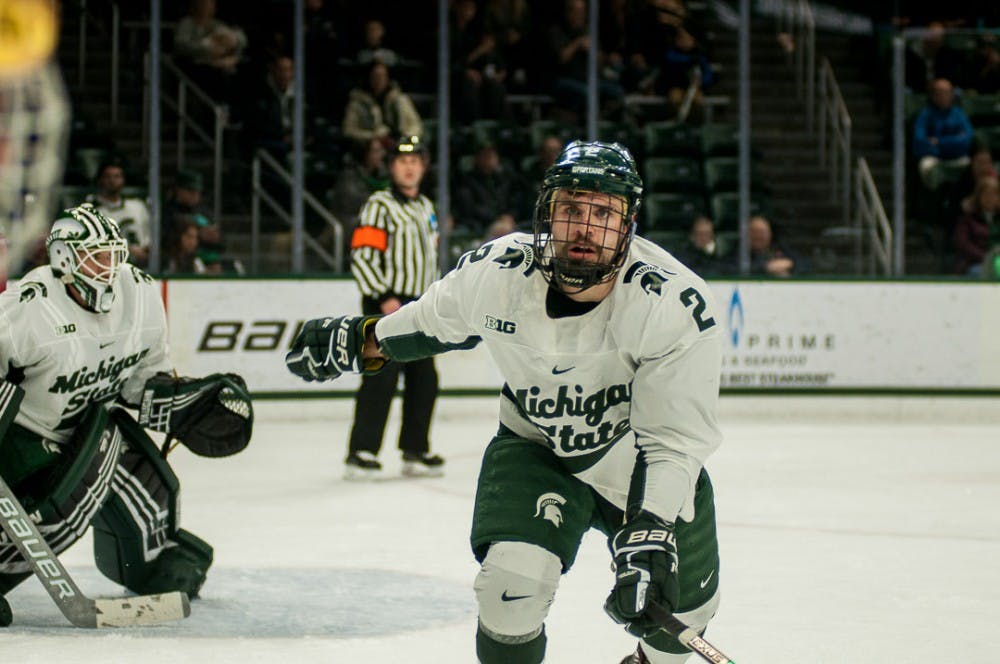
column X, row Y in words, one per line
column 182, row 247
column 684, row 73
column 569, row 44
column 509, row 21
column 501, row 226
column 986, row 65
column 271, row 118
column 374, row 49
column 980, row 166
column 548, row 151
column 366, row 173
column 490, row 191
column 479, row 70
column 978, row 231
column 704, row 253
column 930, row 58
column 941, row 132
column 380, row 110
column 132, row 214
column 209, row 49
column 184, row 203
column 767, row 255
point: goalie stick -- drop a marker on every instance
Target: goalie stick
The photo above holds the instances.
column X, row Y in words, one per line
column 77, row 607
column 687, row 636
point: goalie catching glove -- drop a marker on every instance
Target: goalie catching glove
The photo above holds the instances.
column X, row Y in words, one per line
column 329, row 347
column 212, row 416
column 645, row 563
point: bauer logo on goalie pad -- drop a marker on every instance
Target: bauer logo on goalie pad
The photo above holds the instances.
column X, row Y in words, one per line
column 547, row 507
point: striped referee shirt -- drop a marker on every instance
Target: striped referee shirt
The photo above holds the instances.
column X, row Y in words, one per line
column 394, row 247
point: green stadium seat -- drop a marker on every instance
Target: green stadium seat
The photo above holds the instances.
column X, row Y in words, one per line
column 723, row 174
column 990, row 137
column 84, row 162
column 672, row 241
column 671, row 139
column 618, row 132
column 720, row 140
column 672, row 174
column 664, row 212
column 983, row 110
column 725, row 209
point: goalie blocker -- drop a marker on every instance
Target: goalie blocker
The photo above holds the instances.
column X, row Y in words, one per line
column 212, row 416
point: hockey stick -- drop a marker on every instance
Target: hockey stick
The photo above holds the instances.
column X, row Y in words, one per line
column 687, row 636
column 77, row 607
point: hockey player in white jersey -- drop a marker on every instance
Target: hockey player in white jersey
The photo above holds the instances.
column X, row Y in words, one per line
column 79, row 339
column 611, row 352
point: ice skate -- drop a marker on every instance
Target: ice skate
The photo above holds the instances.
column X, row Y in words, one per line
column 422, row 465
column 362, row 466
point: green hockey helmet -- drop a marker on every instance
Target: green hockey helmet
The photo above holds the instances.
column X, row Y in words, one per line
column 86, row 251
column 594, row 247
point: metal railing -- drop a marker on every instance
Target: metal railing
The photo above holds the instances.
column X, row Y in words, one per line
column 797, row 24
column 262, row 158
column 871, row 221
column 212, row 138
column 834, row 137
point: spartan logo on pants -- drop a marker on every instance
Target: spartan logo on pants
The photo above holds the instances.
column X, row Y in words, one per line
column 547, row 507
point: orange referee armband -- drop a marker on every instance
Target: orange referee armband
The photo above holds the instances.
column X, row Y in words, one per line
column 369, row 236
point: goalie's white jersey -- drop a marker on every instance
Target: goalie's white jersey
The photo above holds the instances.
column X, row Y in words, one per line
column 65, row 357
column 636, row 375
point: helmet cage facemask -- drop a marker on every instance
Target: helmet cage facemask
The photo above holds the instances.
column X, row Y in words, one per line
column 574, row 276
column 90, row 265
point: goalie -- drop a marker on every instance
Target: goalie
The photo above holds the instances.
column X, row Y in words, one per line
column 81, row 339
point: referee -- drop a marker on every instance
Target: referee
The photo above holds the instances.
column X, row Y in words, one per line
column 394, row 259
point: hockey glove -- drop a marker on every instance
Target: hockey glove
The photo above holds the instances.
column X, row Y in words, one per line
column 328, row 347
column 645, row 564
column 213, row 416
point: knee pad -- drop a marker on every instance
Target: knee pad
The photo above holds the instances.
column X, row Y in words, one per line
column 665, row 649
column 515, row 589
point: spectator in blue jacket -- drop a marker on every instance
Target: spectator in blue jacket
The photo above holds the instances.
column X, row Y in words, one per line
column 942, row 133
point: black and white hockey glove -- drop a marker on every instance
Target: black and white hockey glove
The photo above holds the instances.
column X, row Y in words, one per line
column 645, row 563
column 213, row 416
column 329, row 347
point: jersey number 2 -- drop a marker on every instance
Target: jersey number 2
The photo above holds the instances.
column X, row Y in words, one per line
column 691, row 296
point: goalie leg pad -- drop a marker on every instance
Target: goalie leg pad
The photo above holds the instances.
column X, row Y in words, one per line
column 515, row 588
column 66, row 491
column 136, row 539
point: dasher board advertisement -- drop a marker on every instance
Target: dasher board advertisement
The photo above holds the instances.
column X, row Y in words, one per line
column 806, row 336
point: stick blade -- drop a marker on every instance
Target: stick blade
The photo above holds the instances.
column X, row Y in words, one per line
column 142, row 610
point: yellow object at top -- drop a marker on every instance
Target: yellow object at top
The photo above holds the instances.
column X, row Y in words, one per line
column 27, row 35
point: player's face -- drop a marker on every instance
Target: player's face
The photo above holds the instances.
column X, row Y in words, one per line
column 101, row 265
column 407, row 170
column 587, row 227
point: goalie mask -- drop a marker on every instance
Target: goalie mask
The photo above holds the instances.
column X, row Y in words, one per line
column 585, row 215
column 34, row 120
column 86, row 251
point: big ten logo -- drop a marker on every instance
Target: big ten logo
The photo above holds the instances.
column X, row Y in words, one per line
column 500, row 325
column 222, row 336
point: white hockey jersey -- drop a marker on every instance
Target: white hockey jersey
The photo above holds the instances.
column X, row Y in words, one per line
column 637, row 377
column 66, row 358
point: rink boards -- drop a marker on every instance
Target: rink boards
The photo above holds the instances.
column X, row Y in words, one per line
column 780, row 336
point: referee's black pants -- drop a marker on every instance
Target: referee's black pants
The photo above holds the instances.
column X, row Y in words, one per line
column 371, row 405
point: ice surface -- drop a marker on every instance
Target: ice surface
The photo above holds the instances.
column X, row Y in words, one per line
column 852, row 531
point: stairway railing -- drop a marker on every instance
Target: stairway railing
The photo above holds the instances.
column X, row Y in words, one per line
column 211, row 137
column 871, row 220
column 835, row 137
column 263, row 159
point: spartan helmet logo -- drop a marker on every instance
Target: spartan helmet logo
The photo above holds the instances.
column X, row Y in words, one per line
column 547, row 507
